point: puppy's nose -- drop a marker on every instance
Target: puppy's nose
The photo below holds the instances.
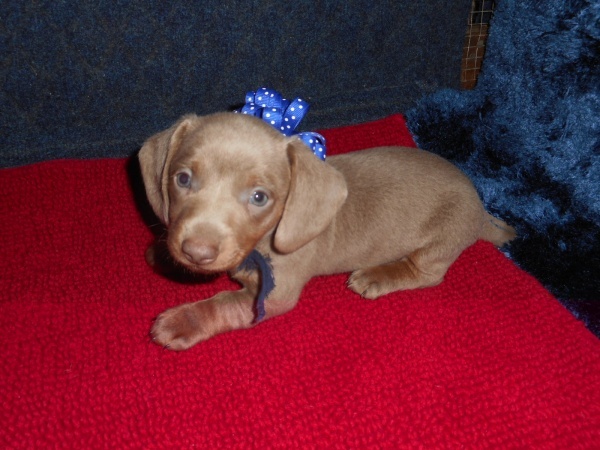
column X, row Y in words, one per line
column 199, row 252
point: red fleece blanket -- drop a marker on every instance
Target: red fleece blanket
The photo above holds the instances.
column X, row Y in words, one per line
column 488, row 359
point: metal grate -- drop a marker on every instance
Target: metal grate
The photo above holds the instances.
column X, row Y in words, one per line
column 475, row 39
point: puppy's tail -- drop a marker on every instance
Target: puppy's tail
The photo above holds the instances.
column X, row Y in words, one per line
column 497, row 231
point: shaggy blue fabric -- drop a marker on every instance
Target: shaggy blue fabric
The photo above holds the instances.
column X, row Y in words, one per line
column 94, row 78
column 529, row 137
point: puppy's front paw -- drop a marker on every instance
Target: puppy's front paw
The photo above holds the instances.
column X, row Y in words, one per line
column 180, row 328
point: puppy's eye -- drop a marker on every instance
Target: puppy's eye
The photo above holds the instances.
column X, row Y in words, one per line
column 183, row 179
column 259, row 198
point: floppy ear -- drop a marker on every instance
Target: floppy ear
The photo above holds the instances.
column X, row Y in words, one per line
column 155, row 157
column 317, row 192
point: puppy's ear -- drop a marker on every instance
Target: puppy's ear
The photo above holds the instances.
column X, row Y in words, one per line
column 317, row 192
column 155, row 157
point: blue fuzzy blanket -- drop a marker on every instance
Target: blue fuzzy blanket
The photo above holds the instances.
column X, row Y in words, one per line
column 529, row 137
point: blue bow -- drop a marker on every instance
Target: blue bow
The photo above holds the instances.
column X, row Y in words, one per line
column 268, row 105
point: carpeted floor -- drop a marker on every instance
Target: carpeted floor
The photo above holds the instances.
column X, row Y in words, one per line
column 488, row 359
column 94, row 78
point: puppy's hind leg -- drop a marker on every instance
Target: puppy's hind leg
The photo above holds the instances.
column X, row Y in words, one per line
column 424, row 267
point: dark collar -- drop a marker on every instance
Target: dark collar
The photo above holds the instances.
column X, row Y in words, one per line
column 256, row 261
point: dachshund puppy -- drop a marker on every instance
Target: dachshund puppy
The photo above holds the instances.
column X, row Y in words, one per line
column 226, row 184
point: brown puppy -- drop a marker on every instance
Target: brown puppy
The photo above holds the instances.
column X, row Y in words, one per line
column 226, row 184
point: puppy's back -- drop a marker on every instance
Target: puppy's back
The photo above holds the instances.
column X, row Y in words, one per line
column 410, row 180
column 402, row 199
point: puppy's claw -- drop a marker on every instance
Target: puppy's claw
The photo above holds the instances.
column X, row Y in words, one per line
column 368, row 284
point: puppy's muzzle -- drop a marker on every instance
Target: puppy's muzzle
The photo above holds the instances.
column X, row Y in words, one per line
column 199, row 252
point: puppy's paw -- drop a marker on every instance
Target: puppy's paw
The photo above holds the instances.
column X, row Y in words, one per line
column 399, row 275
column 369, row 283
column 180, row 328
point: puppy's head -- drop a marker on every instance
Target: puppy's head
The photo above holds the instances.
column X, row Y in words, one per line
column 223, row 182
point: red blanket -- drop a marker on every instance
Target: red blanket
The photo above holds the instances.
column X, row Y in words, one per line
column 488, row 359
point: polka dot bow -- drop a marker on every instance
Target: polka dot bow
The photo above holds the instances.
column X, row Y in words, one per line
column 284, row 115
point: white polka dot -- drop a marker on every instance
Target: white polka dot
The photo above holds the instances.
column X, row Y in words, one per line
column 260, row 98
column 311, row 141
column 268, row 114
column 300, row 106
column 272, row 122
column 293, row 109
column 287, row 120
column 293, row 117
